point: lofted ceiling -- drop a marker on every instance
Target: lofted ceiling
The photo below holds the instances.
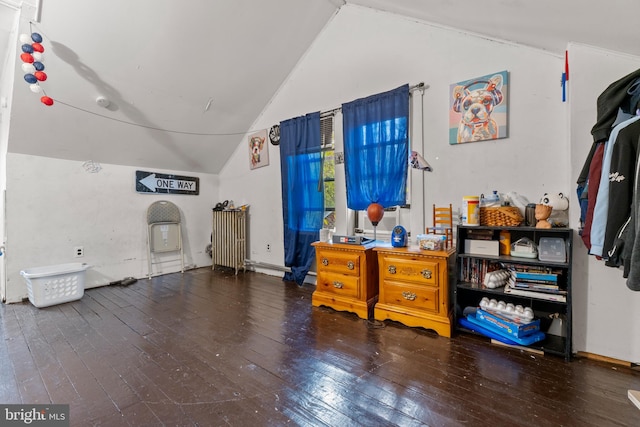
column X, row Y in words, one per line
column 186, row 79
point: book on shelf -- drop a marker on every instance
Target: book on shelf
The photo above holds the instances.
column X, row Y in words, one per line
column 527, row 268
column 537, row 288
column 533, row 285
column 533, row 275
column 535, row 294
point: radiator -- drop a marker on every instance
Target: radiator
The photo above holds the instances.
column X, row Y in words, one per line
column 228, row 240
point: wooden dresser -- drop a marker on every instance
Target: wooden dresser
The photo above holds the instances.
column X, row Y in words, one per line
column 347, row 278
column 414, row 287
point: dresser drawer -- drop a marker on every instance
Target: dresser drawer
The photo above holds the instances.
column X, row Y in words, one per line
column 417, row 271
column 424, row 298
column 339, row 284
column 339, row 262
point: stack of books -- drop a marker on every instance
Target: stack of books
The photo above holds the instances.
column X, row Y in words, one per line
column 535, row 284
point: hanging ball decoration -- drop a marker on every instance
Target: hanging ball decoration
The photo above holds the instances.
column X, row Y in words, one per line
column 26, row 57
column 30, row 78
column 28, row 68
column 375, row 212
column 31, row 57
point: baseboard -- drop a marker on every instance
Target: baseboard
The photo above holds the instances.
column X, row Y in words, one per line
column 607, row 359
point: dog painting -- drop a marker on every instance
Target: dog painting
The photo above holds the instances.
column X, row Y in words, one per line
column 258, row 150
column 478, row 109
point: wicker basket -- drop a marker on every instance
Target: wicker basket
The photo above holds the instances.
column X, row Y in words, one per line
column 509, row 216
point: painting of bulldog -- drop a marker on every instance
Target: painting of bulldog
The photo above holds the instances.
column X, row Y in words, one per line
column 478, row 109
column 258, row 150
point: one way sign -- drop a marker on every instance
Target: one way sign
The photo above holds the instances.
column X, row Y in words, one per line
column 153, row 182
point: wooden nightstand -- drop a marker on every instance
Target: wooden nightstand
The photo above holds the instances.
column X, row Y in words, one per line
column 347, row 278
column 414, row 287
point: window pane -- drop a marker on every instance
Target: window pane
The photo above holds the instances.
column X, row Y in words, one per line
column 329, row 171
column 329, row 195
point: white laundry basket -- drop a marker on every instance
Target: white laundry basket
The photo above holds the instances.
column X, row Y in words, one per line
column 55, row 284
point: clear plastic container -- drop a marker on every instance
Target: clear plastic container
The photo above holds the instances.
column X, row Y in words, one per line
column 432, row 242
column 490, row 201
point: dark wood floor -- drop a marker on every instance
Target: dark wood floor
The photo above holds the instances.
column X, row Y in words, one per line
column 211, row 348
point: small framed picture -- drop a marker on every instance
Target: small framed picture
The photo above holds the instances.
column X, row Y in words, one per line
column 258, row 150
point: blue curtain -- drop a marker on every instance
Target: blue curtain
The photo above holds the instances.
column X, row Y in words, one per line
column 376, row 149
column 302, row 196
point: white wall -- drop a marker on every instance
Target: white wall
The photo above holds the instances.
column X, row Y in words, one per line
column 607, row 313
column 54, row 205
column 362, row 52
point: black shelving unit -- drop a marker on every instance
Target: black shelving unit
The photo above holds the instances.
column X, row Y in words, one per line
column 469, row 292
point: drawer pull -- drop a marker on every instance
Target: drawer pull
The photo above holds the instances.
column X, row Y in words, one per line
column 392, row 269
column 409, row 296
column 350, row 265
column 325, row 262
column 338, row 285
column 426, row 274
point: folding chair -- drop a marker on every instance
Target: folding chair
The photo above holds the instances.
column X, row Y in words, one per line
column 163, row 231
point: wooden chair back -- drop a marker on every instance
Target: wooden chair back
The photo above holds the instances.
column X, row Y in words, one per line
column 443, row 223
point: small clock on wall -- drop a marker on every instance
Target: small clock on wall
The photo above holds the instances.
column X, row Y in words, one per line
column 274, row 134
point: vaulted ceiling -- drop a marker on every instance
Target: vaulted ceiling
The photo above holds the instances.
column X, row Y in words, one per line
column 186, row 79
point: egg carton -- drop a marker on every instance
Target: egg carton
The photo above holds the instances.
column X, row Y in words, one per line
column 514, row 312
column 496, row 279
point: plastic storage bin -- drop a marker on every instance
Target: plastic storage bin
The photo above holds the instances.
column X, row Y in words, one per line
column 55, row 284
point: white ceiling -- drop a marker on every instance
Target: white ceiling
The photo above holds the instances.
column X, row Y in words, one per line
column 162, row 62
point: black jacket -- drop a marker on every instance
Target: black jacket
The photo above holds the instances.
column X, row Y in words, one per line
column 615, row 96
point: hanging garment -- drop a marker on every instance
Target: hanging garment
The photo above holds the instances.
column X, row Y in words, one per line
column 630, row 241
column 621, row 183
column 622, row 94
column 599, row 222
column 595, row 169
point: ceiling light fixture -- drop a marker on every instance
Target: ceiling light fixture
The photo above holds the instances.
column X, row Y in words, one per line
column 102, row 101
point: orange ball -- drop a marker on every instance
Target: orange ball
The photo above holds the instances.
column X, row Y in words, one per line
column 375, row 212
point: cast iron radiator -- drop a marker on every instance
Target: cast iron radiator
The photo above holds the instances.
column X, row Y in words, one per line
column 228, row 240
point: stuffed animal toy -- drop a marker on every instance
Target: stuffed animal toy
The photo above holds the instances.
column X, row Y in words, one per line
column 542, row 214
column 560, row 214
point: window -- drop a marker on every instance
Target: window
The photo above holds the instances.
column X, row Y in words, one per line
column 327, row 144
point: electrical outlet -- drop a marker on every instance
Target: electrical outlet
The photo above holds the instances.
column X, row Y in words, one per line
column 78, row 251
column 268, row 247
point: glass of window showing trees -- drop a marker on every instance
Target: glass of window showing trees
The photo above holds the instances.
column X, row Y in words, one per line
column 328, row 172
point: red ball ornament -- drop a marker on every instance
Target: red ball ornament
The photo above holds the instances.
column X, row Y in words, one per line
column 26, row 57
column 375, row 212
column 40, row 75
column 37, row 47
column 46, row 101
